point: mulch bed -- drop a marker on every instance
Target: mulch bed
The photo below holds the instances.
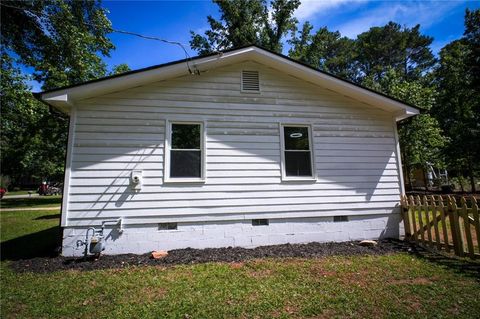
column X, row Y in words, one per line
column 195, row 256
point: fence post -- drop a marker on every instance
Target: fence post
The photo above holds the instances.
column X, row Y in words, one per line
column 467, row 229
column 428, row 228
column 436, row 216
column 418, row 207
column 476, row 219
column 443, row 216
column 455, row 226
column 405, row 215
column 411, row 205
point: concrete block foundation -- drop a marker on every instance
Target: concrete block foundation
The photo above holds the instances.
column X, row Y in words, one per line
column 140, row 239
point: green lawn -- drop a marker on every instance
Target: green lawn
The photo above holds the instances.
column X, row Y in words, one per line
column 395, row 286
column 21, row 192
column 30, row 202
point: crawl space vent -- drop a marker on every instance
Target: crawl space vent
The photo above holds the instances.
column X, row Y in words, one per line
column 250, row 81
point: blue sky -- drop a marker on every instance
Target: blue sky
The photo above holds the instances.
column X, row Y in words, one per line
column 173, row 20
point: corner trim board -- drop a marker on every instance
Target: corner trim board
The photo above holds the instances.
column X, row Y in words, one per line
column 398, row 157
column 68, row 166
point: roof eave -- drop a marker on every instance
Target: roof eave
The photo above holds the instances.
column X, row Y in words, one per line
column 64, row 98
column 338, row 85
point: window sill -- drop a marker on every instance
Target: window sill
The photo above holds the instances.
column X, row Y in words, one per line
column 299, row 179
column 184, row 180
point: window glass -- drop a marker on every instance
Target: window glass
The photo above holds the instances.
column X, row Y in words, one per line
column 296, row 138
column 167, row 226
column 185, row 136
column 185, row 164
column 260, row 222
column 298, row 164
column 298, row 157
column 185, row 151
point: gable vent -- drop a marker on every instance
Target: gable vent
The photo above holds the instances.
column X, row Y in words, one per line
column 250, row 81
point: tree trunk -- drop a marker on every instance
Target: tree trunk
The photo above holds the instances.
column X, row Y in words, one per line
column 425, row 179
column 409, row 178
column 471, row 176
column 407, row 171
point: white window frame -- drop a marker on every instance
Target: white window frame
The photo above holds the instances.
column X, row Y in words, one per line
column 168, row 143
column 312, row 178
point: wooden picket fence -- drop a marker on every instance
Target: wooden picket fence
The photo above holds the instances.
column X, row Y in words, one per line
column 443, row 222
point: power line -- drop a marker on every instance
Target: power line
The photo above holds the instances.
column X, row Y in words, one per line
column 39, row 14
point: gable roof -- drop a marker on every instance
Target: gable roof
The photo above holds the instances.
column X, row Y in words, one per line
column 64, row 98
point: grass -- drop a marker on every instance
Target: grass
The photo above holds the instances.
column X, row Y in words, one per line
column 27, row 234
column 21, row 192
column 32, row 202
column 395, row 286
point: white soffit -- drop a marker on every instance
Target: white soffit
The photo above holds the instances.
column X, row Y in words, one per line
column 64, row 98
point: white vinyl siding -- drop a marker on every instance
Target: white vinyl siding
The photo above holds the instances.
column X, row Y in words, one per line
column 354, row 152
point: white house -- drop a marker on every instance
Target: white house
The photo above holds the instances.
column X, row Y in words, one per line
column 241, row 148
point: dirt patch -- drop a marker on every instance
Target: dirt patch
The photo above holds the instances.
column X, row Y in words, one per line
column 261, row 273
column 195, row 256
column 412, row 281
column 360, row 279
column 236, row 265
column 327, row 314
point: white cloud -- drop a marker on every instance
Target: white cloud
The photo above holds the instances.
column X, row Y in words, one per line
column 406, row 13
column 310, row 8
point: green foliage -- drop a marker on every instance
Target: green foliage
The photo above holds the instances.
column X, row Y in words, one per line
column 245, row 22
column 30, row 134
column 370, row 56
column 458, row 107
column 391, row 46
column 62, row 41
column 121, row 68
column 421, row 138
column 5, row 181
column 472, row 38
column 325, row 50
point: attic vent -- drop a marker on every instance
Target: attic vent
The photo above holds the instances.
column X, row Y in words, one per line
column 250, row 81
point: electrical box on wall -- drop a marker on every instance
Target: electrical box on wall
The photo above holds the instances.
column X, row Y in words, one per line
column 136, row 180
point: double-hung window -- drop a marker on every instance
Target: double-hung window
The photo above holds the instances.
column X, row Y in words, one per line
column 297, row 157
column 185, row 152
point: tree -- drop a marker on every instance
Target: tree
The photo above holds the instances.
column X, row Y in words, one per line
column 119, row 69
column 26, row 150
column 472, row 39
column 391, row 46
column 60, row 40
column 63, row 42
column 325, row 50
column 421, row 139
column 244, row 22
column 458, row 109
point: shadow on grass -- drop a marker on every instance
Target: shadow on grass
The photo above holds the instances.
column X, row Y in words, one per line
column 30, row 201
column 39, row 244
column 464, row 266
column 56, row 216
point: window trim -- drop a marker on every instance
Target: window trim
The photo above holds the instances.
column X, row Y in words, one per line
column 167, row 149
column 312, row 178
